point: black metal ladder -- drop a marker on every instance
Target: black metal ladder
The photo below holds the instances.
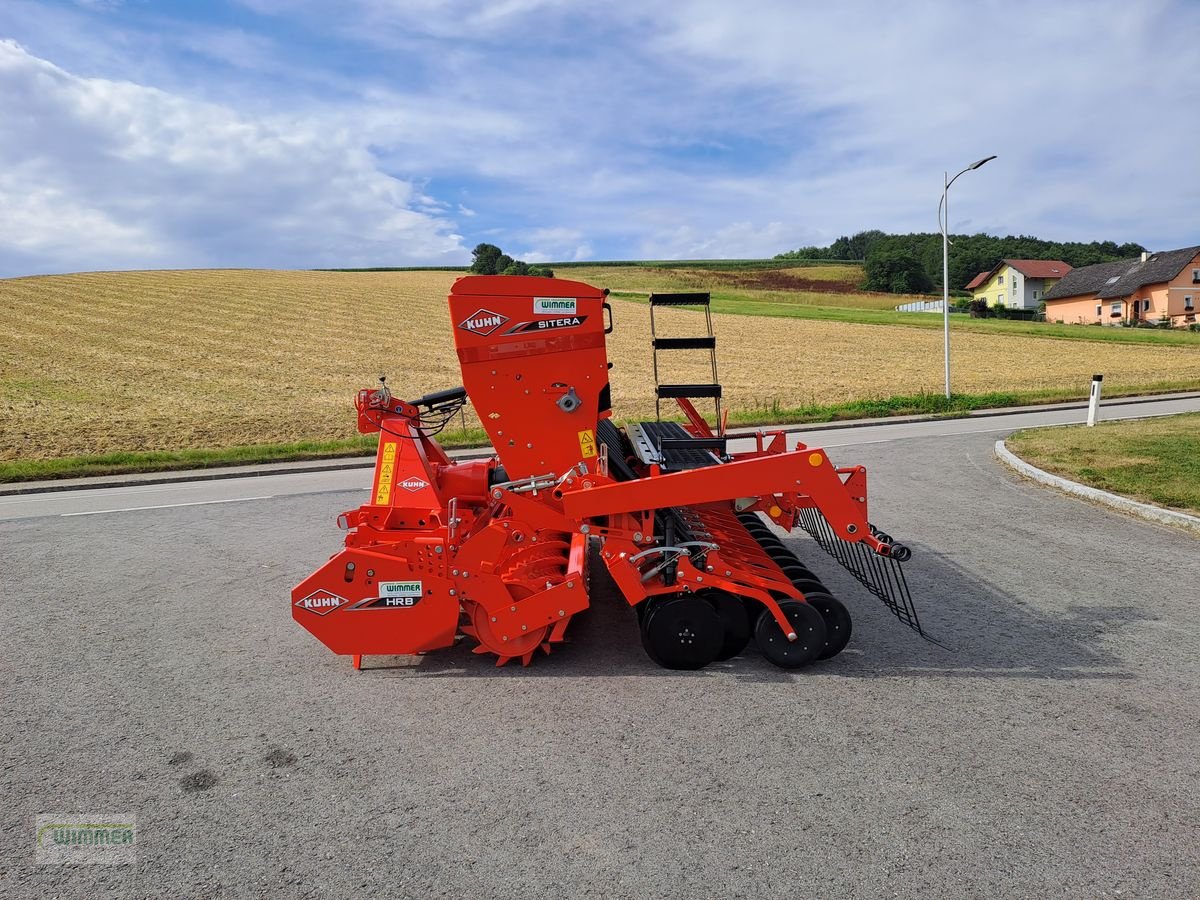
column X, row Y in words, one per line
column 706, row 341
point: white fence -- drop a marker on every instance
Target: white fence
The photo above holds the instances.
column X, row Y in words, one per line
column 921, row 306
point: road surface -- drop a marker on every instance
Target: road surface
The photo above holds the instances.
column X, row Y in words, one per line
column 151, row 667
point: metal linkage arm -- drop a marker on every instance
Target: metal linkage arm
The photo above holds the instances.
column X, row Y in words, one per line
column 808, row 472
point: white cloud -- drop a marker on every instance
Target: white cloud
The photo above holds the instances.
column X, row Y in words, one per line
column 129, row 176
column 739, row 240
column 553, row 244
column 669, row 129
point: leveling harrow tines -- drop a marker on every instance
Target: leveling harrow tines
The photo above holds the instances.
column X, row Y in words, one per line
column 497, row 549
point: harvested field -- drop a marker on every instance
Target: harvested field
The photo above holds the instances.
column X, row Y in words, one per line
column 99, row 362
column 823, row 285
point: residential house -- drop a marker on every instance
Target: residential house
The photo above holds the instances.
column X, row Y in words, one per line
column 1018, row 283
column 1156, row 288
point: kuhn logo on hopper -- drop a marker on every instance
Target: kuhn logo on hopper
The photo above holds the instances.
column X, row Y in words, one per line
column 321, row 602
column 413, row 484
column 482, row 321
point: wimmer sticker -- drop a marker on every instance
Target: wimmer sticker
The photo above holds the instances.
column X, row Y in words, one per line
column 394, row 595
column 554, row 306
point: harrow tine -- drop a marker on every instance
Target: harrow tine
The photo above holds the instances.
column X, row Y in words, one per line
column 883, row 576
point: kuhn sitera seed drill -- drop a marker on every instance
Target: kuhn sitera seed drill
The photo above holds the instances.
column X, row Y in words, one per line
column 498, row 549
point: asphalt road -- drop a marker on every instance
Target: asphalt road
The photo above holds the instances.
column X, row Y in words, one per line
column 150, row 665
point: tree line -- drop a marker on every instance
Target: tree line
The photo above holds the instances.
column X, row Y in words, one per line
column 488, row 259
column 912, row 263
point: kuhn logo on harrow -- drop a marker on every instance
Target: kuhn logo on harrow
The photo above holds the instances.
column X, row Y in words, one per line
column 321, row 602
column 414, row 484
column 482, row 322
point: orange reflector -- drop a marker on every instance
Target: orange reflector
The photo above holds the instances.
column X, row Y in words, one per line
column 774, row 512
column 815, row 459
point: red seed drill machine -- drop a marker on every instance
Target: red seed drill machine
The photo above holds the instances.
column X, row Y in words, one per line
column 497, row 549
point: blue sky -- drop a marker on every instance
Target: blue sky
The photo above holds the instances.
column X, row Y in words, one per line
column 298, row 133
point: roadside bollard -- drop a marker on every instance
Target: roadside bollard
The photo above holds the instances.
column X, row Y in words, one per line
column 1094, row 402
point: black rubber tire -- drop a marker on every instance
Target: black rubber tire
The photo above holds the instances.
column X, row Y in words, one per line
column 809, row 627
column 645, row 610
column 682, row 632
column 734, row 620
column 838, row 625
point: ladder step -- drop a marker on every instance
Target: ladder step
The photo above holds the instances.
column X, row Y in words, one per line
column 689, row 390
column 692, row 443
column 686, row 343
column 697, row 299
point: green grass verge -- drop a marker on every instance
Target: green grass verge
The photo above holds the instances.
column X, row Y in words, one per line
column 174, row 460
column 1153, row 460
column 808, row 306
column 774, row 414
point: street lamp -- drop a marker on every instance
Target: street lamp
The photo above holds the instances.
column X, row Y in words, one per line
column 944, row 225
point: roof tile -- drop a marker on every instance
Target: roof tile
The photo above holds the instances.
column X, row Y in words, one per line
column 1040, row 268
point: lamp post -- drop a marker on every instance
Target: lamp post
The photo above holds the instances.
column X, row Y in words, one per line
column 944, row 225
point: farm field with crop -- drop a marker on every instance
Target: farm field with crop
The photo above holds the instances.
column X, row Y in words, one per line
column 103, row 362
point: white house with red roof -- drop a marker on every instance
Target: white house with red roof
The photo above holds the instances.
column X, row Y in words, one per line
column 1018, row 283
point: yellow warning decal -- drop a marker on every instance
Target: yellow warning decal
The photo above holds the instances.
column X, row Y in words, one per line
column 587, row 443
column 387, row 471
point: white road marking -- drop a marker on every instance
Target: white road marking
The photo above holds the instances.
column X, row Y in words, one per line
column 85, row 492
column 97, row 512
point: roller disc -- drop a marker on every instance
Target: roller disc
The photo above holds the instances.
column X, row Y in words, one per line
column 837, row 622
column 770, row 543
column 760, row 530
column 682, row 632
column 807, row 624
column 645, row 610
column 735, row 623
column 753, row 610
column 781, row 554
column 808, row 586
column 800, row 569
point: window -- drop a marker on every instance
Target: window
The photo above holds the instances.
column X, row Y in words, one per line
column 1195, row 276
column 1146, row 305
column 1099, row 309
column 1014, row 282
column 1116, row 308
column 1035, row 295
column 1187, row 303
column 1000, row 299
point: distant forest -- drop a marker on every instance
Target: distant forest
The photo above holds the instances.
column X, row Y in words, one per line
column 912, row 263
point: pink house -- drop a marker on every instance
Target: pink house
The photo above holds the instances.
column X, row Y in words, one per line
column 1158, row 287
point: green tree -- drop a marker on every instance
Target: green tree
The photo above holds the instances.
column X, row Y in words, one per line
column 484, row 259
column 892, row 266
column 488, row 259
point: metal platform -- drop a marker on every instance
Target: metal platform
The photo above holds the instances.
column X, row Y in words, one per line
column 669, row 446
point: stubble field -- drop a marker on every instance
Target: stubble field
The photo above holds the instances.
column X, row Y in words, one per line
column 102, row 362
